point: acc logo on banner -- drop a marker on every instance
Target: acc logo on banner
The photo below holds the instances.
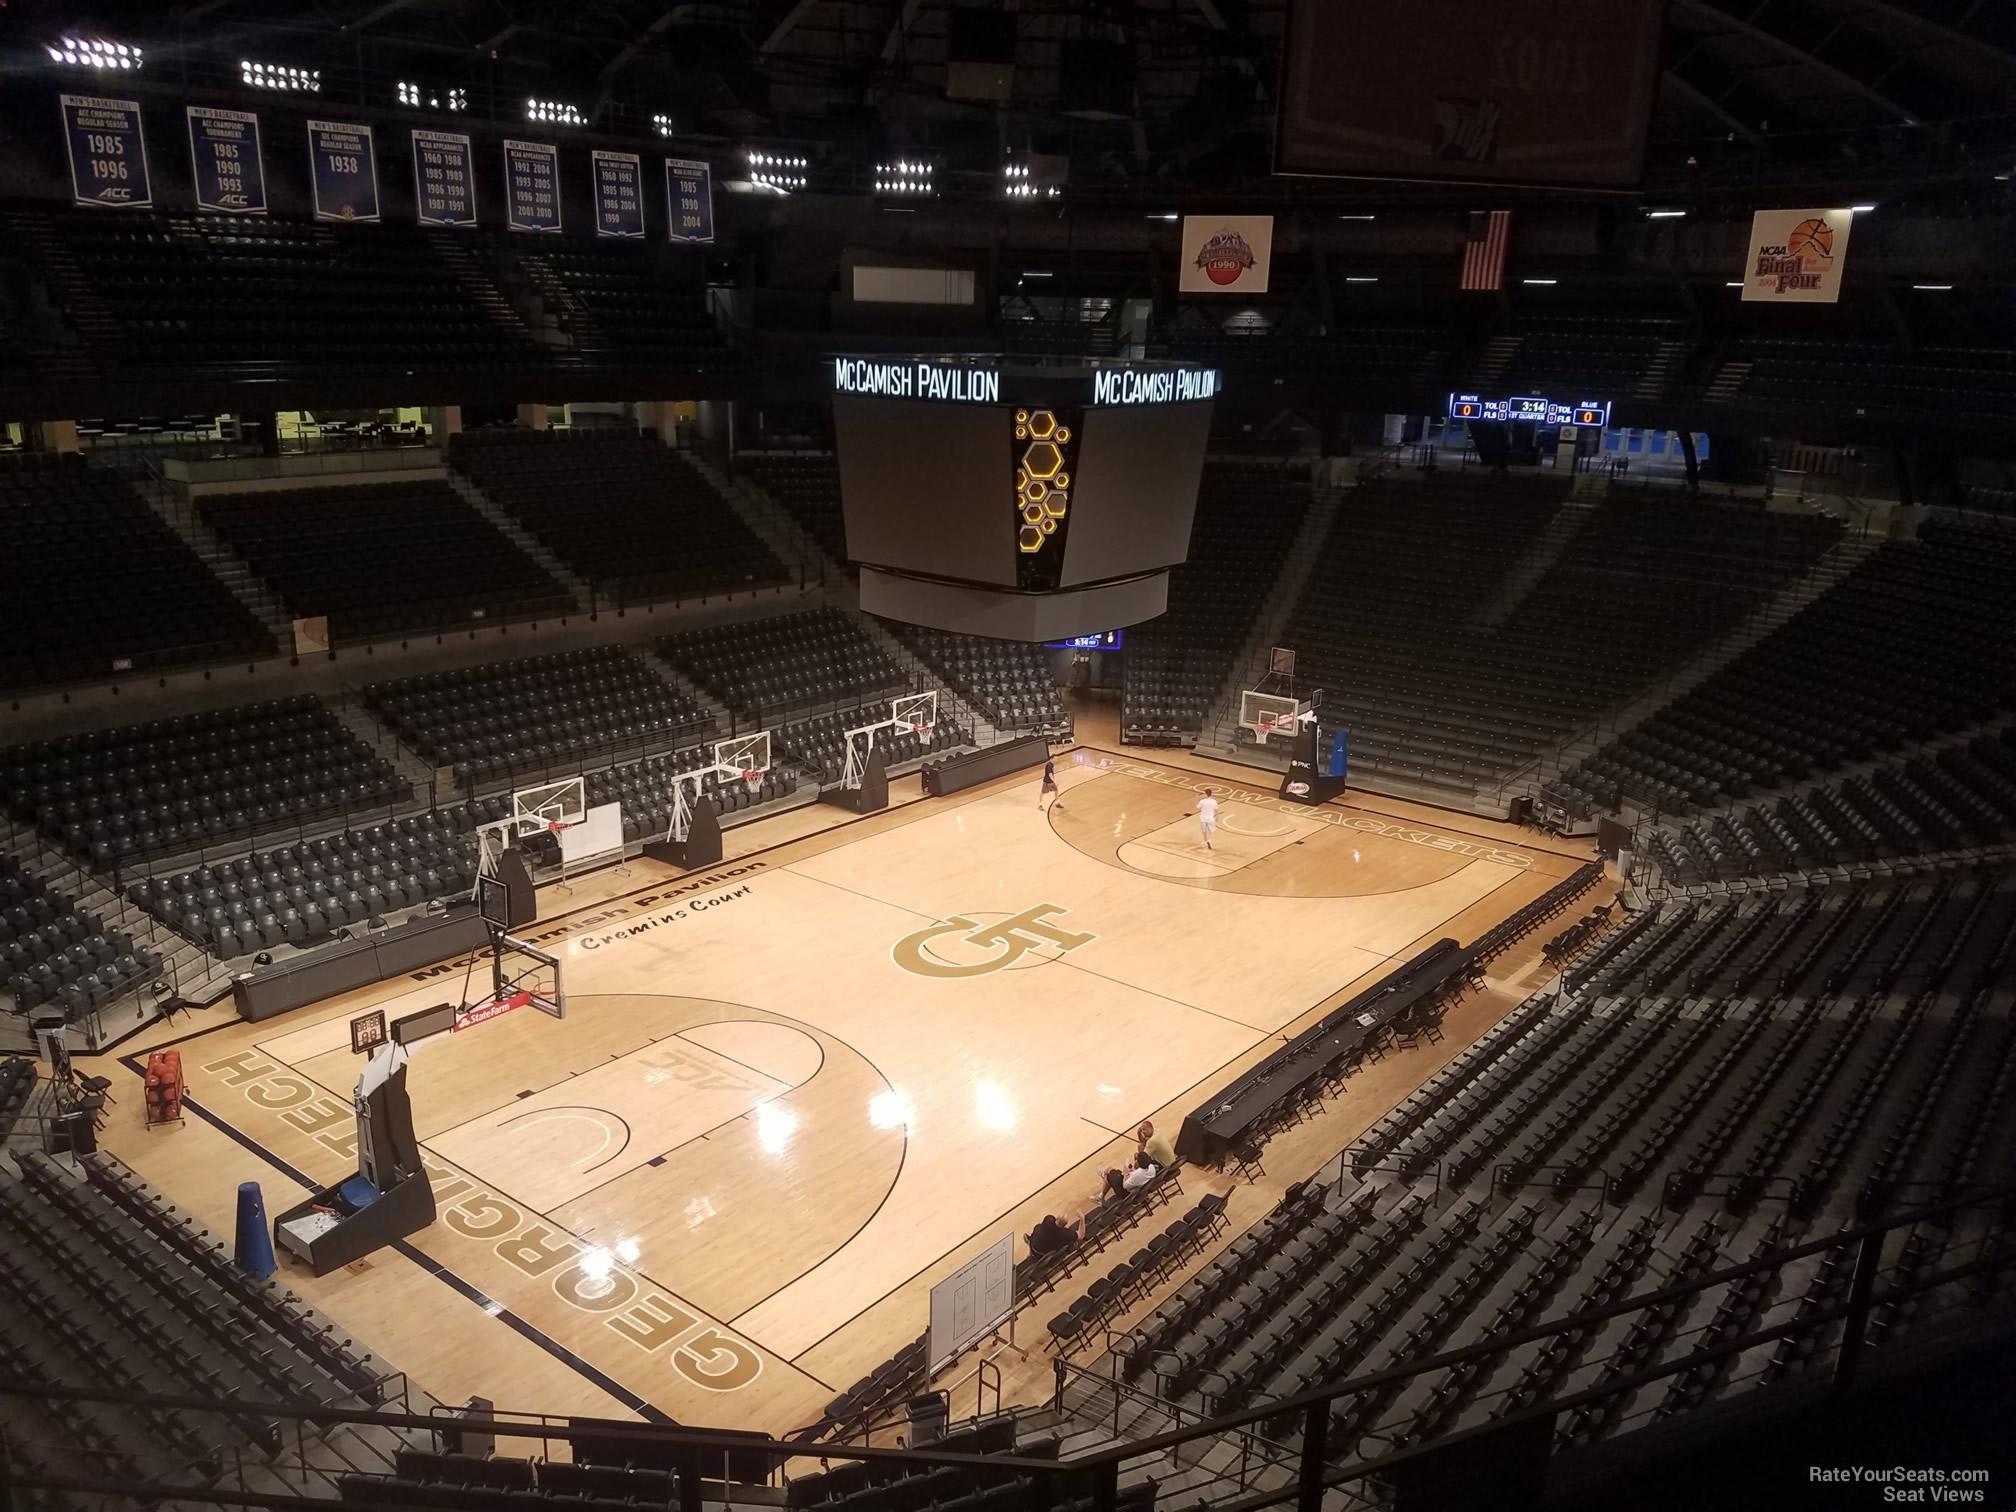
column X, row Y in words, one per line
column 1796, row 256
column 1226, row 254
column 108, row 153
column 224, row 155
column 972, row 949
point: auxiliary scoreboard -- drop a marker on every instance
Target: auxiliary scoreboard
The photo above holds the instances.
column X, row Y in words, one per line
column 1529, row 409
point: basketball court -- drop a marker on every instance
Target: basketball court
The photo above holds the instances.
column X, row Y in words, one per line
column 790, row 1091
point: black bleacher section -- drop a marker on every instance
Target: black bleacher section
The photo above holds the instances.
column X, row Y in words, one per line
column 1916, row 640
column 175, row 785
column 620, row 509
column 1812, row 1055
column 1392, row 625
column 104, row 1287
column 771, row 669
column 819, row 744
column 1248, row 515
column 1008, row 681
column 101, row 586
column 513, row 721
column 301, row 894
column 55, row 952
column 382, row 558
column 620, row 305
column 266, row 297
column 807, row 484
column 645, row 788
column 1963, row 795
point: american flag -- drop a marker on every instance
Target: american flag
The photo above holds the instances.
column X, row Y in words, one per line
column 1484, row 249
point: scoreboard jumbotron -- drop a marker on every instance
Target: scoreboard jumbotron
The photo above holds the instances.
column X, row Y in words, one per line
column 1529, row 409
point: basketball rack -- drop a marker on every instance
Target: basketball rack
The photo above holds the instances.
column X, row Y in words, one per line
column 745, row 756
column 915, row 712
column 546, row 808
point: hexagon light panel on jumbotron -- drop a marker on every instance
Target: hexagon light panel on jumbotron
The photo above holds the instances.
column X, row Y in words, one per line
column 1042, row 482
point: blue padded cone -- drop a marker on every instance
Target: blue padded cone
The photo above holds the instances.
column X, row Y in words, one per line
column 254, row 1249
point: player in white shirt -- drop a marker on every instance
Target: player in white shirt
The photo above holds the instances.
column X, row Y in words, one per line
column 1207, row 816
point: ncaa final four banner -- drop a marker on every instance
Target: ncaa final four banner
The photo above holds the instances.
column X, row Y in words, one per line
column 619, row 202
column 531, row 186
column 224, row 156
column 1796, row 256
column 343, row 171
column 108, row 153
column 1226, row 254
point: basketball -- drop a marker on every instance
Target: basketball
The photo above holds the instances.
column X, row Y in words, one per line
column 1811, row 235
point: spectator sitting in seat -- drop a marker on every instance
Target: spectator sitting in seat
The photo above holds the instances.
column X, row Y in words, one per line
column 1051, row 1235
column 1141, row 1173
column 1157, row 1150
column 1113, row 1185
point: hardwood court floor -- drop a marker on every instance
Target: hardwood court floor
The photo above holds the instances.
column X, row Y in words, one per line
column 792, row 1091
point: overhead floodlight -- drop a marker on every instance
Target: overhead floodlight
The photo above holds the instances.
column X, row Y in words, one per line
column 93, row 52
column 553, row 113
column 281, row 76
column 662, row 124
column 425, row 96
column 904, row 176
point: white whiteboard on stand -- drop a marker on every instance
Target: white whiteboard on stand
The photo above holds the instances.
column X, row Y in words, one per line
column 972, row 1302
column 599, row 832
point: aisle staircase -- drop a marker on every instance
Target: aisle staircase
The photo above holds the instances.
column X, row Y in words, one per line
column 1526, row 573
column 1493, row 360
column 1666, row 364
column 1792, row 599
column 524, row 540
column 453, row 249
column 1326, row 506
column 773, row 524
column 1727, row 382
column 230, row 569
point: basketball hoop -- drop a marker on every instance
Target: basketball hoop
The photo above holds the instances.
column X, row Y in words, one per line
column 923, row 732
column 753, row 781
column 554, row 826
column 1265, row 727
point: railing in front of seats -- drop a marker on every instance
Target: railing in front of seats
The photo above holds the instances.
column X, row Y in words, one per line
column 1097, row 1476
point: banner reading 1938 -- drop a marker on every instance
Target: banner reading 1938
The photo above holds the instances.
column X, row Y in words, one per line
column 444, row 178
column 224, row 154
column 619, row 195
column 532, row 186
column 343, row 166
column 108, row 154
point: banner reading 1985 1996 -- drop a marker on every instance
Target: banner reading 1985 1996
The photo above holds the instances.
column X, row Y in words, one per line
column 108, row 154
column 224, row 155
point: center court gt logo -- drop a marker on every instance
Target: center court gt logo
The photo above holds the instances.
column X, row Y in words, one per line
column 970, row 948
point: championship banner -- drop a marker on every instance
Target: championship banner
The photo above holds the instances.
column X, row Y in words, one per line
column 1796, row 256
column 108, row 153
column 1226, row 254
column 531, row 186
column 444, row 178
column 224, row 155
column 343, row 171
column 689, row 194
column 619, row 204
